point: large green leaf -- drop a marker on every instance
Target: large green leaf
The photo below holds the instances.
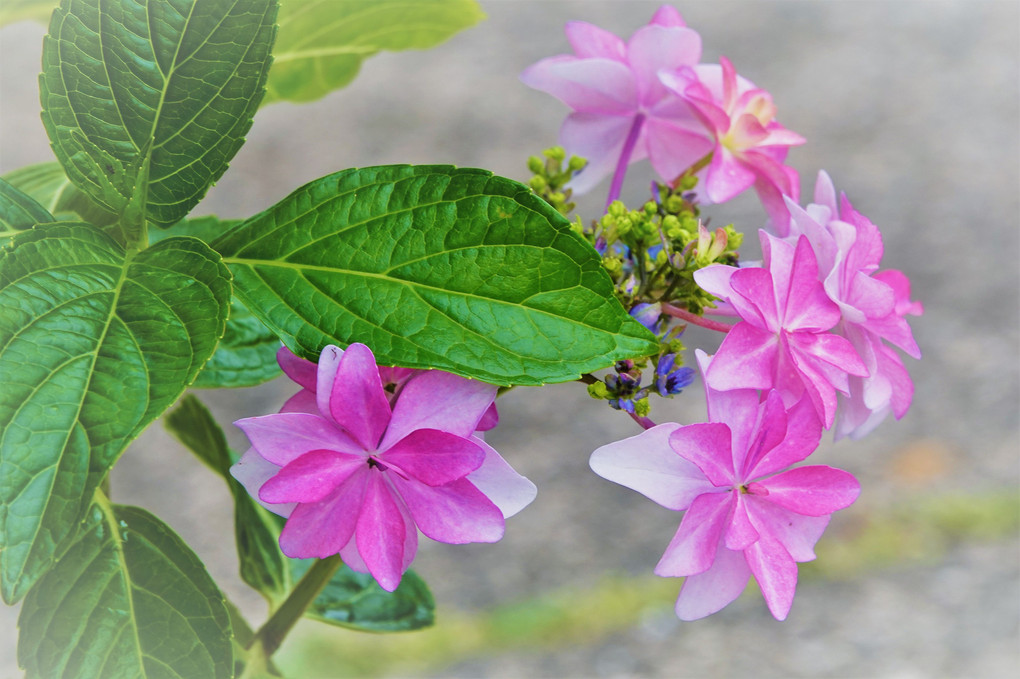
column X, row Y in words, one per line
column 322, row 42
column 246, row 355
column 433, row 267
column 356, row 601
column 263, row 565
column 49, row 186
column 18, row 211
column 95, row 343
column 128, row 599
column 145, row 103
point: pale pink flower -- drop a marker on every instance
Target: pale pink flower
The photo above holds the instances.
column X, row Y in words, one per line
column 744, row 515
column 750, row 145
column 361, row 475
column 873, row 305
column 622, row 112
column 783, row 340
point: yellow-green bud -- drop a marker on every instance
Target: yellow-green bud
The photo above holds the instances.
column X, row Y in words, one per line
column 535, row 165
column 555, row 153
column 576, row 163
column 598, row 390
column 538, row 184
column 642, row 407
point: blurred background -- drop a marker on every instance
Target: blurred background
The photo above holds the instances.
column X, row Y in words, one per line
column 913, row 108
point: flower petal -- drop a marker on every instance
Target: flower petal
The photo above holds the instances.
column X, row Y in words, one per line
column 696, row 542
column 456, row 513
column 302, row 402
column 589, row 41
column 595, row 85
column 439, row 400
column 325, row 376
column 283, row 437
column 746, row 359
column 707, row 445
column 599, row 139
column 320, row 529
column 813, row 491
column 656, row 47
column 727, row 176
column 434, row 457
column 711, row 591
column 253, row 470
column 796, row 532
column 381, row 530
column 310, row 477
column 499, row 482
column 803, row 432
column 357, row 401
column 776, row 573
column 646, row 463
column 298, row 369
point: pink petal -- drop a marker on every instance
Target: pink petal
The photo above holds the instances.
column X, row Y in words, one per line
column 694, row 546
column 812, row 491
column 489, row 419
column 434, row 457
column 832, row 349
column 357, row 401
column 727, row 176
column 716, row 280
column 803, row 432
column 740, row 533
column 320, row 529
column 325, row 376
column 764, row 435
column 498, row 481
column 776, row 573
column 298, row 369
column 283, row 437
column 351, row 557
column 707, row 445
column 599, row 139
column 657, row 47
column 381, row 531
column 667, row 15
column 439, row 400
column 646, row 463
column 597, row 85
column 672, row 149
column 825, row 192
column 456, row 513
column 589, row 42
column 251, row 471
column 755, row 298
column 738, row 410
column 746, row 359
column 711, row 591
column 796, row 532
column 310, row 477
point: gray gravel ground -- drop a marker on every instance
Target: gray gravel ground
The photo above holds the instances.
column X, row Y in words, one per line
column 912, row 108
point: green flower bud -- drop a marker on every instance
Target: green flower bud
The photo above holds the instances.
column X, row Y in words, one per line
column 535, row 165
column 598, row 390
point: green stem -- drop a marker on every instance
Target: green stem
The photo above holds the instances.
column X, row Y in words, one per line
column 693, row 169
column 271, row 635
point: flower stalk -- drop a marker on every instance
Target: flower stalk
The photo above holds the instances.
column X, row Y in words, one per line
column 695, row 319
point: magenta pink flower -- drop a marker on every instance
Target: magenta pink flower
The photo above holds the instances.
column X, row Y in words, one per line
column 622, row 113
column 782, row 341
column 873, row 306
column 750, row 145
column 360, row 476
column 744, row 515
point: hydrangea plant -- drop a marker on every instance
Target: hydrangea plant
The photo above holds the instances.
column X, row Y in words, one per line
column 400, row 299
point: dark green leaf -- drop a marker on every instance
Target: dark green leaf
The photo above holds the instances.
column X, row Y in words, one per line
column 47, row 184
column 146, row 102
column 19, row 211
column 263, row 565
column 128, row 599
column 246, row 355
column 322, row 42
column 95, row 343
column 433, row 267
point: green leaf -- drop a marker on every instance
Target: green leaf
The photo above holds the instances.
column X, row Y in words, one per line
column 19, row 211
column 48, row 184
column 433, row 267
column 145, row 103
column 356, row 601
column 263, row 565
column 322, row 42
column 246, row 355
column 128, row 599
column 95, row 343
column 22, row 10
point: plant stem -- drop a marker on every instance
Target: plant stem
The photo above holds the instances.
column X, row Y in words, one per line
column 625, row 154
column 695, row 319
column 643, row 421
column 271, row 634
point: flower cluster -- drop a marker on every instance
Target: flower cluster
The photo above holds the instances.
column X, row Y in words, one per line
column 363, row 457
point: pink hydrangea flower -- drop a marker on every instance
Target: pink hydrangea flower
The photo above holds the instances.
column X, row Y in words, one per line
column 361, row 475
column 744, row 515
column 750, row 145
column 622, row 113
column 783, row 340
column 873, row 306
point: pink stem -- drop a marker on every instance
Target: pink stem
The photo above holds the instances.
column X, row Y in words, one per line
column 694, row 318
column 643, row 421
column 625, row 154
